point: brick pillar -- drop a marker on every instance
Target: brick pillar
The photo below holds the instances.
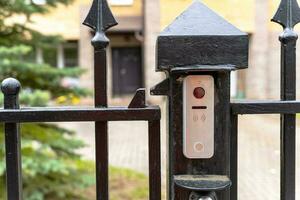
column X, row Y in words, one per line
column 256, row 76
column 151, row 30
column 273, row 75
column 86, row 52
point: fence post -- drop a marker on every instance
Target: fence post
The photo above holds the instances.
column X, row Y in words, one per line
column 198, row 51
column 288, row 15
column 11, row 88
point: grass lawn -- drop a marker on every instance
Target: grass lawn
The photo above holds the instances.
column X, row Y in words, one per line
column 125, row 184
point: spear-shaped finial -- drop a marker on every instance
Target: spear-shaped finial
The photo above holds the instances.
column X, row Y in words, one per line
column 288, row 14
column 100, row 19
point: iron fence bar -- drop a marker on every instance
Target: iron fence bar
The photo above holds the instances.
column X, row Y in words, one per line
column 234, row 157
column 288, row 121
column 10, row 88
column 101, row 140
column 288, row 15
column 154, row 160
column 288, row 157
column 79, row 115
column 101, row 128
column 100, row 19
column 265, row 107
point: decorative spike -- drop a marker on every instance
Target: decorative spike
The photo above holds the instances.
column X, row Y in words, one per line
column 288, row 14
column 100, row 17
column 139, row 99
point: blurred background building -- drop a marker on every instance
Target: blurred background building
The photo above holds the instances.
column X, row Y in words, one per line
column 132, row 49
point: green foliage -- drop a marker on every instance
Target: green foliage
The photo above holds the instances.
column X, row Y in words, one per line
column 32, row 75
column 14, row 33
column 37, row 98
column 125, row 184
column 128, row 184
column 52, row 170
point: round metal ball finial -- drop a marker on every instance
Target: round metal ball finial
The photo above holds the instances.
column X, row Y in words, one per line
column 10, row 86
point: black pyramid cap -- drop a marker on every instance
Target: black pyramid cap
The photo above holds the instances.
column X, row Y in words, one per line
column 199, row 36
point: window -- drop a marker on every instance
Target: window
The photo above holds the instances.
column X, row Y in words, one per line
column 127, row 70
column 70, row 51
column 50, row 56
column 121, row 2
column 63, row 55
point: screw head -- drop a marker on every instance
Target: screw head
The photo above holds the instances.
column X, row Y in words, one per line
column 10, row 86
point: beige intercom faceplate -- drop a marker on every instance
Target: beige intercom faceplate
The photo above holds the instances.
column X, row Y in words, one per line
column 198, row 116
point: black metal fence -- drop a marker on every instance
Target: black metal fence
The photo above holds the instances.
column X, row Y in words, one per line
column 288, row 15
column 99, row 19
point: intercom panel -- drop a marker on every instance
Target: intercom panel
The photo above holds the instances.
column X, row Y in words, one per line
column 198, row 116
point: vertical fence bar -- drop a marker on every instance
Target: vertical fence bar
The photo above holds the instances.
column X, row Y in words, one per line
column 288, row 122
column 101, row 136
column 10, row 88
column 154, row 160
column 100, row 19
column 234, row 158
column 288, row 15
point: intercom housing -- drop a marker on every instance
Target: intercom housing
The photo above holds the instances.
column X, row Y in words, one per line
column 198, row 52
column 198, row 116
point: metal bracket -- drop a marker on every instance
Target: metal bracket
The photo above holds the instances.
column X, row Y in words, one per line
column 203, row 183
column 162, row 88
column 203, row 187
column 187, row 70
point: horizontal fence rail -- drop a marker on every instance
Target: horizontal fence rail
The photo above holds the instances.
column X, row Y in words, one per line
column 79, row 114
column 265, row 107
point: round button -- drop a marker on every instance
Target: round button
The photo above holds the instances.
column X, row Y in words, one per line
column 199, row 147
column 199, row 93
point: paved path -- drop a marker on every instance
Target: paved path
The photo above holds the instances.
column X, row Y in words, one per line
column 259, row 158
column 259, row 155
column 128, row 143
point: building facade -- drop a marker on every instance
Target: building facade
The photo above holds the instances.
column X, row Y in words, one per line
column 131, row 55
